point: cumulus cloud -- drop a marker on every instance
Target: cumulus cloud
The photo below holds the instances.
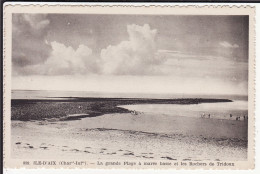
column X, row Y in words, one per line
column 28, row 39
column 65, row 60
column 33, row 54
column 136, row 56
column 228, row 45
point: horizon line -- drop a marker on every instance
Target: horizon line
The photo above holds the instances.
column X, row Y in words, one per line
column 126, row 92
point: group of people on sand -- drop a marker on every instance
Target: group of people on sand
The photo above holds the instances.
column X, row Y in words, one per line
column 203, row 115
column 134, row 112
column 238, row 117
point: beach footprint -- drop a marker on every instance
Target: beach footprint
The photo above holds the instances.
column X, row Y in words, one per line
column 86, row 151
column 169, row 158
column 43, row 147
column 75, row 150
column 129, row 154
column 148, row 157
column 27, row 145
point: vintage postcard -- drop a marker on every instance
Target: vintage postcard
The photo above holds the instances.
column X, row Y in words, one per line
column 132, row 87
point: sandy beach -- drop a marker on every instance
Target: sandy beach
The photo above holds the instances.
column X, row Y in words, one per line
column 128, row 136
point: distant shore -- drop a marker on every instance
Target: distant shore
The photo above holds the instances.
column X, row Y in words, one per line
column 40, row 109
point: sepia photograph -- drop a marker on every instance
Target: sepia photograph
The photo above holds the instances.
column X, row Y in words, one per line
column 130, row 87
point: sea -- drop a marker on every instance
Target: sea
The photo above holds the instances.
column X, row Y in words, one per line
column 53, row 94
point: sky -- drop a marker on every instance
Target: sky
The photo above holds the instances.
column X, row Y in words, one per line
column 130, row 53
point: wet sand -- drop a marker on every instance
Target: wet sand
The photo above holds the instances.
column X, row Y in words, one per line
column 128, row 136
column 39, row 109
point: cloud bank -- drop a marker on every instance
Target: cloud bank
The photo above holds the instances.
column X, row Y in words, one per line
column 32, row 54
column 136, row 56
column 65, row 60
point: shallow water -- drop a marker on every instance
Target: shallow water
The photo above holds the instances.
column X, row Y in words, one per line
column 216, row 110
column 45, row 94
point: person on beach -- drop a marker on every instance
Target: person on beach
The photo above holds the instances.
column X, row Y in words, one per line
column 203, row 115
column 134, row 112
column 209, row 115
column 230, row 115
